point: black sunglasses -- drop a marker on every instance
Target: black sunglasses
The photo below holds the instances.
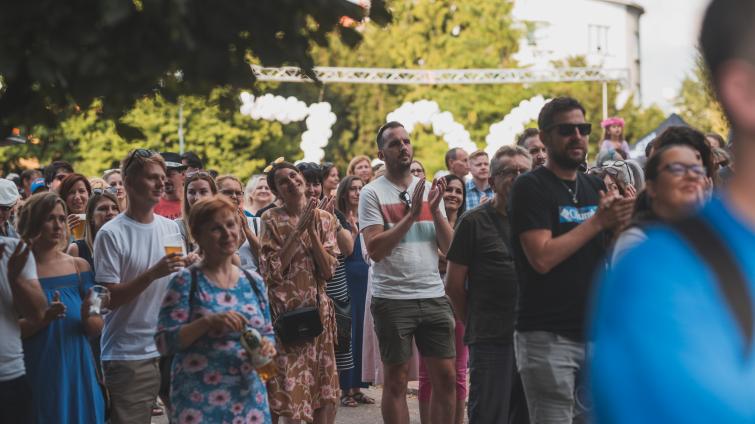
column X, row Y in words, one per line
column 566, row 130
column 404, row 197
column 142, row 153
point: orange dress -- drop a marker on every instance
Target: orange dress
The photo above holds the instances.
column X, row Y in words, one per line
column 307, row 378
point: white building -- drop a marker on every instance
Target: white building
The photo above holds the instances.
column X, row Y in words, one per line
column 605, row 32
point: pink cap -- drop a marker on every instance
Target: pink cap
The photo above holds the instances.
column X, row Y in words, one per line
column 612, row 121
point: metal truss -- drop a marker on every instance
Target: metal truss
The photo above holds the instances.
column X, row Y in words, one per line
column 440, row 76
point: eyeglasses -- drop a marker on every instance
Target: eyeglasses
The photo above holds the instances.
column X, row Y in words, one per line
column 509, row 171
column 680, row 169
column 142, row 153
column 405, row 199
column 568, row 129
column 101, row 191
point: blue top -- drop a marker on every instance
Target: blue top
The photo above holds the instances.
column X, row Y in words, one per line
column 59, row 362
column 667, row 347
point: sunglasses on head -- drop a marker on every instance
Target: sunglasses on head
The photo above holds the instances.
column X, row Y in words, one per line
column 198, row 174
column 568, row 129
column 142, row 153
column 101, row 191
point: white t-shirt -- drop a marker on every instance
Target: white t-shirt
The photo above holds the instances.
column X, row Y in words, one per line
column 123, row 250
column 11, row 348
column 411, row 270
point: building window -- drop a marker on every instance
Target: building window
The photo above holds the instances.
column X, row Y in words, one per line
column 597, row 39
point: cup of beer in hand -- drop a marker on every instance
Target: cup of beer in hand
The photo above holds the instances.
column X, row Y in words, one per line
column 174, row 243
column 78, row 230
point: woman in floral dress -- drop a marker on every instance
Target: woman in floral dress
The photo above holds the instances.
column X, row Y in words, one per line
column 203, row 313
column 298, row 256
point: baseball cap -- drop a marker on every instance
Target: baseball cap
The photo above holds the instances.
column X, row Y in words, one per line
column 173, row 160
column 8, row 192
column 37, row 184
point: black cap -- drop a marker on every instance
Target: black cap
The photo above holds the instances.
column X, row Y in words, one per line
column 173, row 161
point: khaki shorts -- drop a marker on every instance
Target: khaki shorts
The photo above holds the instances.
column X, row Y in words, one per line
column 428, row 321
column 133, row 387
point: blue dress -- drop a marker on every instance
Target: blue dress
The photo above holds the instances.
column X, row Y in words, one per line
column 211, row 380
column 356, row 278
column 59, row 361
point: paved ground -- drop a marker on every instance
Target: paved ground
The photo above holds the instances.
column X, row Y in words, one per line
column 363, row 414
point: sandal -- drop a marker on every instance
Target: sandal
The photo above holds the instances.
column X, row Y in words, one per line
column 348, row 401
column 360, row 397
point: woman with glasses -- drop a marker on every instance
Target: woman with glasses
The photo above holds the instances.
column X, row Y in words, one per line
column 59, row 362
column 198, row 185
column 417, row 169
column 114, row 179
column 75, row 191
column 330, row 179
column 298, row 256
column 231, row 187
column 675, row 187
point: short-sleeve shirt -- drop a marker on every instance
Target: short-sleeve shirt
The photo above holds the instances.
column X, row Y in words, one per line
column 555, row 301
column 411, row 270
column 11, row 348
column 123, row 250
column 481, row 242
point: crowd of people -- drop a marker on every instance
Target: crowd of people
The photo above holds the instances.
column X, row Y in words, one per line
column 280, row 300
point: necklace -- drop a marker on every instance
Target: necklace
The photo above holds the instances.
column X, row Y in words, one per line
column 574, row 192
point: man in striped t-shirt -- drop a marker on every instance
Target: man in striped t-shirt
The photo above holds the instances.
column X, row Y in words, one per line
column 404, row 225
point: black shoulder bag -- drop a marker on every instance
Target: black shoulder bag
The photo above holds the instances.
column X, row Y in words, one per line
column 731, row 281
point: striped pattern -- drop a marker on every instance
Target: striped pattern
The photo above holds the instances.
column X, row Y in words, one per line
column 338, row 289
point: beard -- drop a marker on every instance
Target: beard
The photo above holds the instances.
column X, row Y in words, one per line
column 563, row 160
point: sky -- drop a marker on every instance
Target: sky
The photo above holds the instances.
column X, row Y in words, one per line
column 668, row 37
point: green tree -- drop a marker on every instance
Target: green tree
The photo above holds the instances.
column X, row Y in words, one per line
column 57, row 55
column 697, row 102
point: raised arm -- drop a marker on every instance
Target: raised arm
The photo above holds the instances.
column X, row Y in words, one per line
column 381, row 242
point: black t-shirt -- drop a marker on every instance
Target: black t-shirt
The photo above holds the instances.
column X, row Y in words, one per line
column 556, row 301
column 481, row 242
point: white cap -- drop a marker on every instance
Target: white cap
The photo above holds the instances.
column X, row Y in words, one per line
column 8, row 192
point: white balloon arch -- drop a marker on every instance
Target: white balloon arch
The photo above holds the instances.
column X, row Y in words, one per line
column 427, row 112
column 319, row 120
column 317, row 116
column 505, row 131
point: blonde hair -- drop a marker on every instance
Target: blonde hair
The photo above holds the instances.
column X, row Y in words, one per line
column 35, row 212
column 98, row 183
column 355, row 161
column 136, row 162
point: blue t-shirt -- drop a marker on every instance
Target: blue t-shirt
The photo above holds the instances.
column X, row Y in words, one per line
column 667, row 347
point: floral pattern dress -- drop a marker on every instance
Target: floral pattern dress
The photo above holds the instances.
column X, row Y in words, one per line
column 307, row 378
column 212, row 381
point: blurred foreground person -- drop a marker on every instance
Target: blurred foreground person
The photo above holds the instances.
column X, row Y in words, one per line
column 205, row 310
column 673, row 324
column 58, row 359
column 20, row 293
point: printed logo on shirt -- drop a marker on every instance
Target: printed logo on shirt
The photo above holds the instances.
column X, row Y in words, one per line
column 576, row 215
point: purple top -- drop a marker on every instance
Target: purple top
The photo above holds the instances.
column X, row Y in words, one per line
column 607, row 145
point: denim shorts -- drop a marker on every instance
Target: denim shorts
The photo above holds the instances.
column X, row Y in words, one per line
column 400, row 321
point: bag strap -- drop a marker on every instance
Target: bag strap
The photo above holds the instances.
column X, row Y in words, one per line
column 252, row 283
column 729, row 276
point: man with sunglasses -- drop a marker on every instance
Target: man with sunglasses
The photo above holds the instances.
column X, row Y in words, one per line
column 8, row 198
column 673, row 323
column 404, row 225
column 129, row 255
column 170, row 204
column 558, row 219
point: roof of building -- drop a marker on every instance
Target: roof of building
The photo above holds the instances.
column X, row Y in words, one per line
column 628, row 3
